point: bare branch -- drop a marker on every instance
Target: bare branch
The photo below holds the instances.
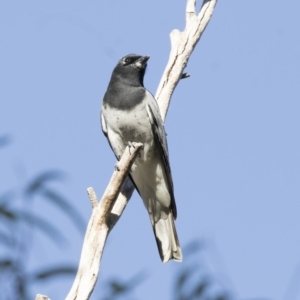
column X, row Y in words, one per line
column 123, row 198
column 190, row 10
column 93, row 197
column 182, row 46
column 107, row 212
column 99, row 227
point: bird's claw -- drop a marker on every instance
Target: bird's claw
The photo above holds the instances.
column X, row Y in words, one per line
column 133, row 144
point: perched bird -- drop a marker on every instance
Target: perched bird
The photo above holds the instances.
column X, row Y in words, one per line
column 129, row 114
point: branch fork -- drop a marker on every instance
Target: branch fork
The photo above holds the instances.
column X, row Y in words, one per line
column 107, row 212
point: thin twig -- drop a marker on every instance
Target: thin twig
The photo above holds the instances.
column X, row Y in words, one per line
column 182, row 46
column 93, row 197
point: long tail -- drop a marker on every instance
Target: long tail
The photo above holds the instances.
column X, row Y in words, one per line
column 167, row 239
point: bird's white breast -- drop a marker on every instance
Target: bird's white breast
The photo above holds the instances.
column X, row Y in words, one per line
column 125, row 126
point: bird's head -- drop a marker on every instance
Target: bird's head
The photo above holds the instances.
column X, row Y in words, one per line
column 132, row 68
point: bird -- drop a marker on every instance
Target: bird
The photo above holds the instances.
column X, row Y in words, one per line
column 130, row 113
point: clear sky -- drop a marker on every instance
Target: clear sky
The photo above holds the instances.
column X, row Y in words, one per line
column 233, row 132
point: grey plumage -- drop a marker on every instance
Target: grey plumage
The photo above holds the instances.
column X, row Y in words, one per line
column 130, row 114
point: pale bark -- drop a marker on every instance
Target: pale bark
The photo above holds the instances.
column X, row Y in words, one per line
column 182, row 46
column 100, row 224
column 107, row 212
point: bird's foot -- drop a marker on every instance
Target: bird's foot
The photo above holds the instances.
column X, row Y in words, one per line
column 133, row 144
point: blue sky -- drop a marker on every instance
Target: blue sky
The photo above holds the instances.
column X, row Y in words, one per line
column 233, row 132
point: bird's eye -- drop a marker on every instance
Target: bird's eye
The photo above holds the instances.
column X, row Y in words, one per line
column 127, row 60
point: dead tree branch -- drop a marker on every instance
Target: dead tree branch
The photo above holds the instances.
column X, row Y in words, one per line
column 182, row 46
column 98, row 228
column 107, row 212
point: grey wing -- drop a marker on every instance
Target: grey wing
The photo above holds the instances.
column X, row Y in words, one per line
column 160, row 138
column 103, row 124
column 104, row 130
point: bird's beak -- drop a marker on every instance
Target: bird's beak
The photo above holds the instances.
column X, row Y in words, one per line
column 141, row 62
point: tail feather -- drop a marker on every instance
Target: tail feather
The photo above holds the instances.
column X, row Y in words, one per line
column 167, row 239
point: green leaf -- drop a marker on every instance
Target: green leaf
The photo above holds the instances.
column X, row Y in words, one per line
column 8, row 213
column 120, row 288
column 222, row 297
column 7, row 197
column 7, row 263
column 6, row 239
column 194, row 247
column 52, row 272
column 183, row 277
column 43, row 225
column 199, row 290
column 40, row 180
column 39, row 186
column 66, row 207
column 5, row 140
